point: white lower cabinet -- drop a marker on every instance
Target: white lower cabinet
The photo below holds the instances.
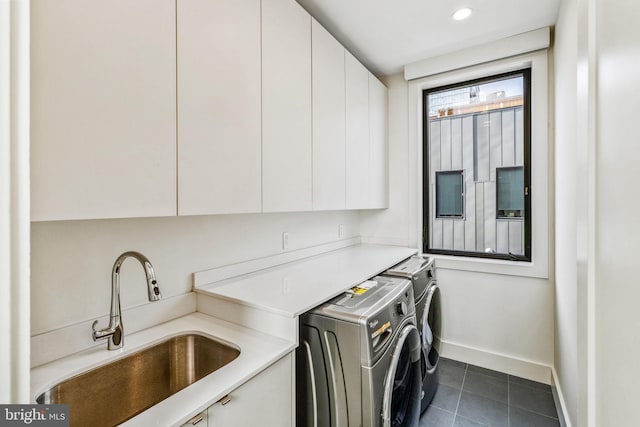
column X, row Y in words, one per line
column 266, row 400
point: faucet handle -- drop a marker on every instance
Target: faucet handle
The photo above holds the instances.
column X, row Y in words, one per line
column 114, row 334
column 100, row 334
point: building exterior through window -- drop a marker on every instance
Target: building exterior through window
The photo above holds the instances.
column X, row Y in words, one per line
column 476, row 166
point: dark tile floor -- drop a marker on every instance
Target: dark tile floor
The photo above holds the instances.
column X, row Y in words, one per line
column 470, row 396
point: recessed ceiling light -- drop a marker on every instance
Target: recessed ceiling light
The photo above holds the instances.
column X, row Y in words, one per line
column 461, row 14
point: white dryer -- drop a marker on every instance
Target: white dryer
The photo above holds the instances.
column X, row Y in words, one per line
column 358, row 363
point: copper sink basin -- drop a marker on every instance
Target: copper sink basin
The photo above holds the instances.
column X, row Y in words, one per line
column 111, row 394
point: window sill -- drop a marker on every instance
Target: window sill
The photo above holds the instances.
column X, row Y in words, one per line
column 491, row 266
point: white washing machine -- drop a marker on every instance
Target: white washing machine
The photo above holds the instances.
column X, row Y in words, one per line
column 358, row 363
column 421, row 271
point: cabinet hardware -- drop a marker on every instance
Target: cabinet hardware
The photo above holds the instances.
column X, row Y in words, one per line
column 195, row 420
column 226, row 399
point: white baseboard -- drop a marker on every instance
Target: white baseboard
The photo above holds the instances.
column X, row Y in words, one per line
column 511, row 365
column 559, row 400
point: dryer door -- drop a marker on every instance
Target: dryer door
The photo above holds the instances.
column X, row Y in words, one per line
column 430, row 324
column 403, row 384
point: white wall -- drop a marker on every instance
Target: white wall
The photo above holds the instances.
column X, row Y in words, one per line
column 509, row 318
column 617, row 201
column 71, row 261
column 566, row 289
column 597, row 151
column 596, row 360
column 474, row 326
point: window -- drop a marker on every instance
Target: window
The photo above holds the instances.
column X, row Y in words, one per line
column 449, row 195
column 510, row 194
column 477, row 168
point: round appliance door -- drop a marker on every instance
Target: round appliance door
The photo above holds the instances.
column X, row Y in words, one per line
column 430, row 325
column 403, row 383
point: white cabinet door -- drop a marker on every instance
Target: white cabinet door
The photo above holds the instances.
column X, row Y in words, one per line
column 103, row 109
column 219, row 114
column 378, row 145
column 266, row 400
column 328, row 120
column 286, row 107
column 357, row 133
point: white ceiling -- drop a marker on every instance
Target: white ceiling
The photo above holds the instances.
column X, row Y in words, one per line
column 388, row 34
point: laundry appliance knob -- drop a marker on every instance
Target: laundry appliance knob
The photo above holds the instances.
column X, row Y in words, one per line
column 401, row 308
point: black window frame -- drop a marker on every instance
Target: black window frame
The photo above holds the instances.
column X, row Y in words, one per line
column 498, row 216
column 525, row 73
column 451, row 172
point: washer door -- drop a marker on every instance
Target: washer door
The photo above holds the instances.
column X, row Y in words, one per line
column 403, row 383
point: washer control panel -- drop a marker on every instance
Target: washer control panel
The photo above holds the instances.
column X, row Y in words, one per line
column 420, row 269
column 382, row 325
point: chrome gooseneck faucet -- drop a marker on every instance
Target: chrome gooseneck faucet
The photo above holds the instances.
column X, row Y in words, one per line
column 114, row 332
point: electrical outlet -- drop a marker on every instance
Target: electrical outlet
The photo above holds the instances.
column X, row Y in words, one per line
column 341, row 230
column 285, row 240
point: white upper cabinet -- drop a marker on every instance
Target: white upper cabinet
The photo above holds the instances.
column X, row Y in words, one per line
column 378, row 145
column 357, row 133
column 219, row 113
column 329, row 120
column 143, row 108
column 103, row 109
column 286, row 107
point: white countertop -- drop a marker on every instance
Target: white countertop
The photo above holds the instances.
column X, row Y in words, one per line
column 296, row 287
column 257, row 352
